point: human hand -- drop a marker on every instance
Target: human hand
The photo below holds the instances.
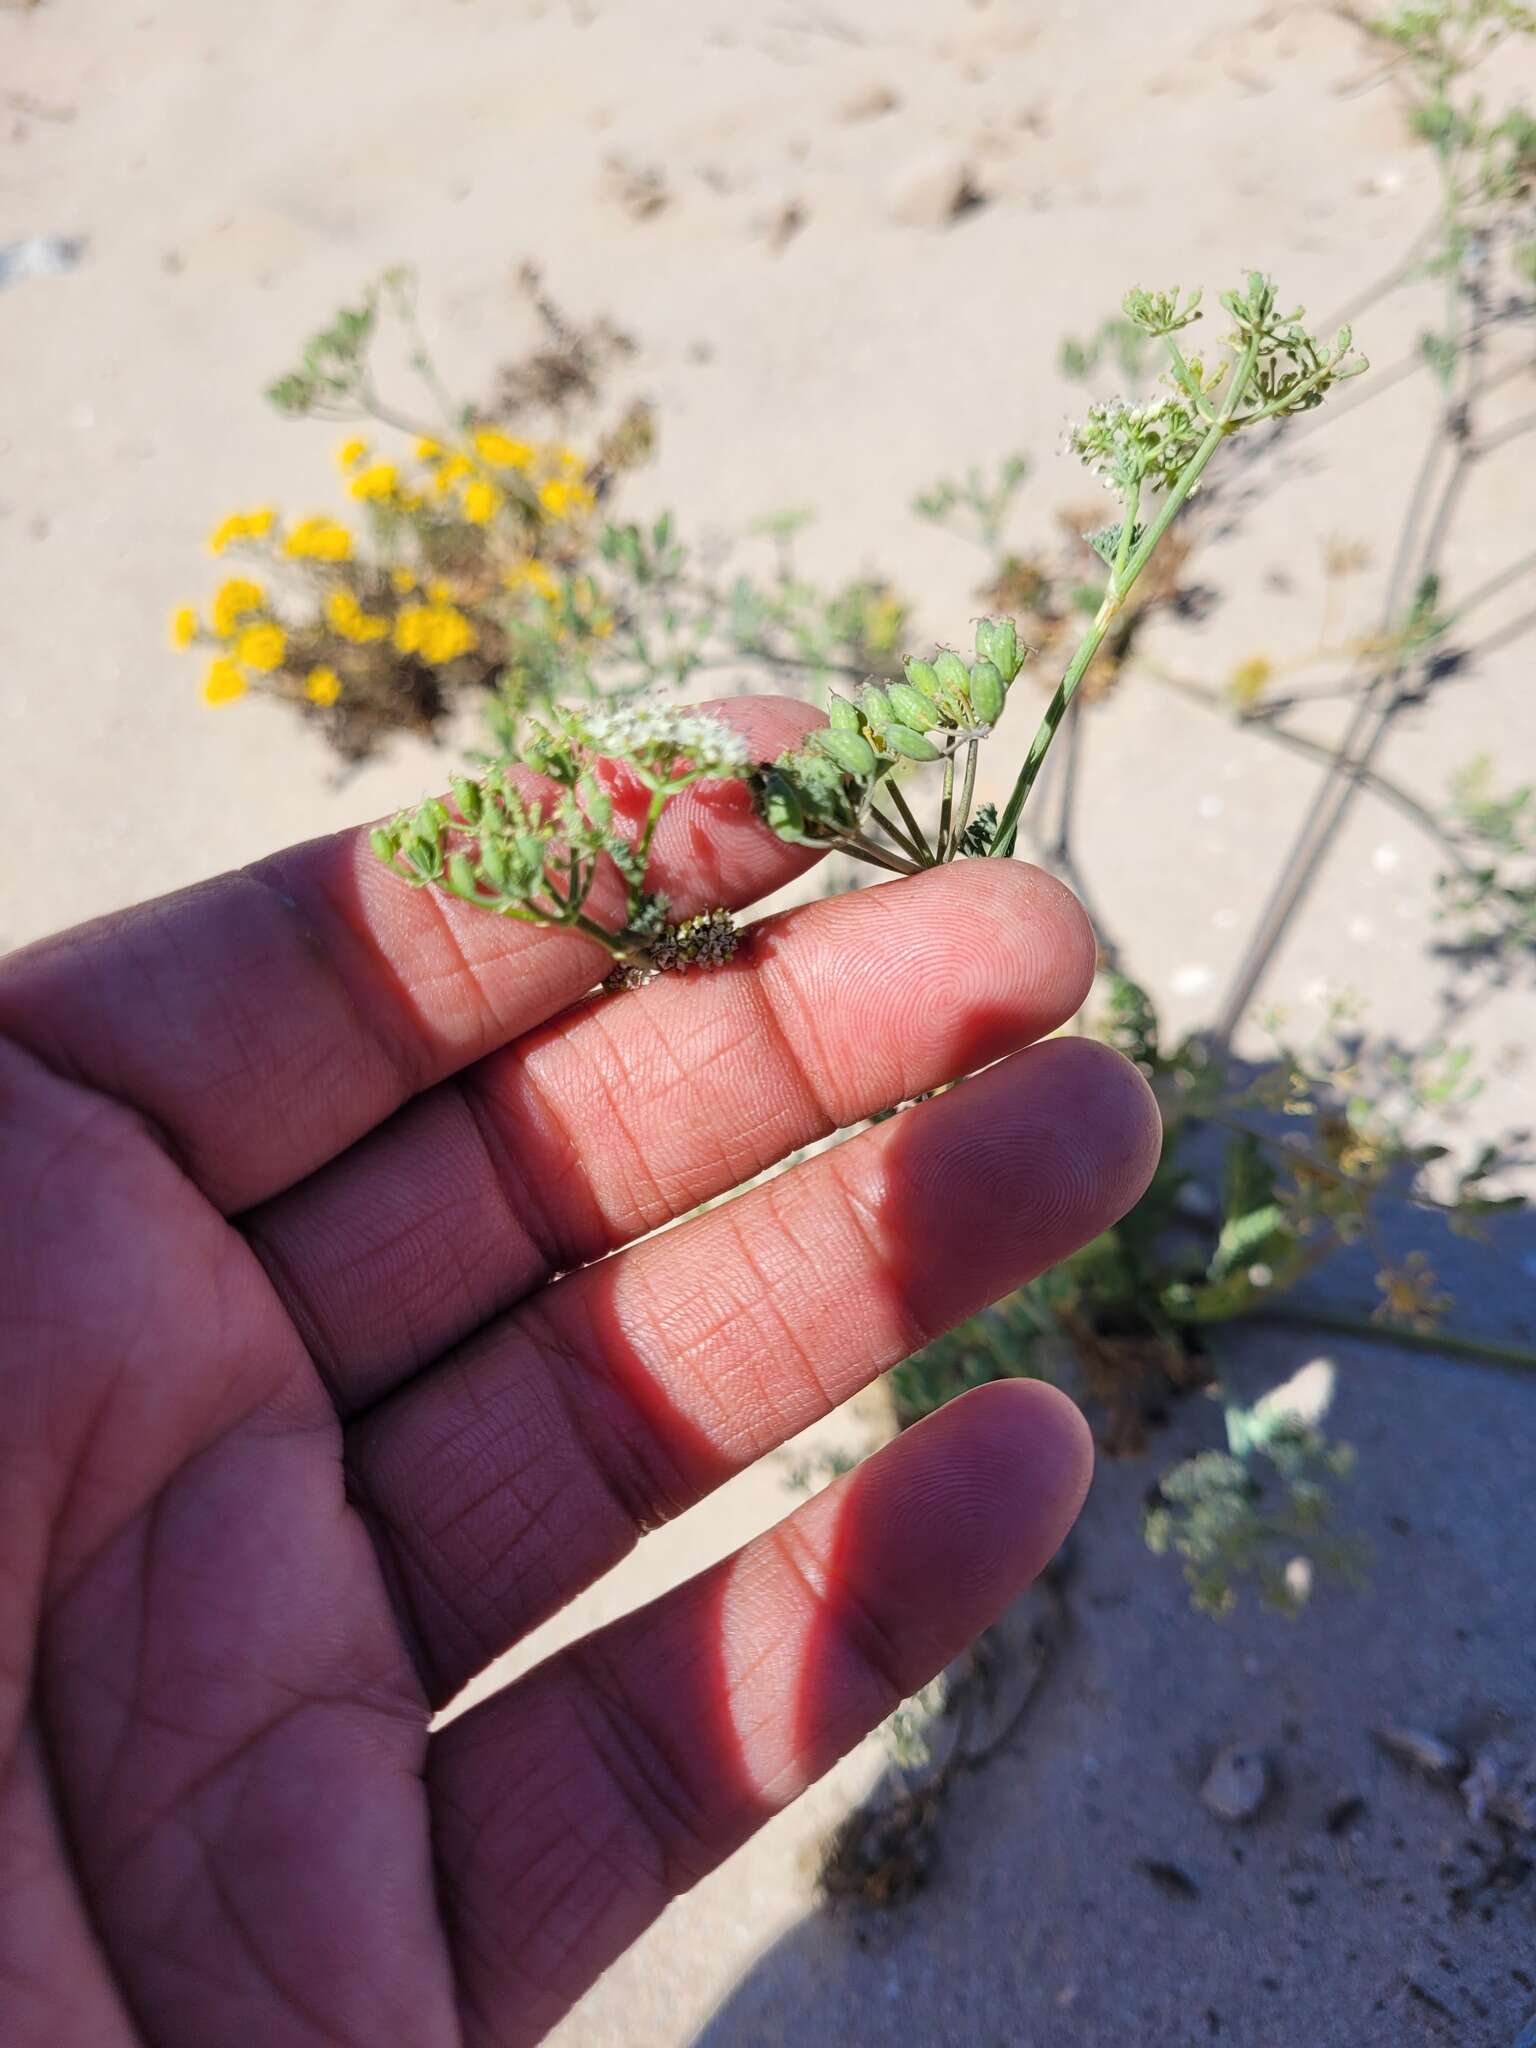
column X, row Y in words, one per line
column 318, row 1390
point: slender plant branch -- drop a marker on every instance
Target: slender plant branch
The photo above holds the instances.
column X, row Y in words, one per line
column 925, row 852
column 1444, row 1343
column 967, row 793
column 894, row 831
column 1119, row 589
column 1383, row 695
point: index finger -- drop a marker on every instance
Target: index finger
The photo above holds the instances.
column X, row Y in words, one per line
column 266, row 1020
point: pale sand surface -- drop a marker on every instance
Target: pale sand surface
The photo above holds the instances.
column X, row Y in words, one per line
column 235, row 173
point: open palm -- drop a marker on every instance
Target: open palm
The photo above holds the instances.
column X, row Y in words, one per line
column 332, row 1361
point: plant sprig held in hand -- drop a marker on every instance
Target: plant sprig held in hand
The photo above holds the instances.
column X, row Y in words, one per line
column 537, row 858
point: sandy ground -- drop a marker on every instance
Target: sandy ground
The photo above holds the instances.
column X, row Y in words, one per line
column 235, row 173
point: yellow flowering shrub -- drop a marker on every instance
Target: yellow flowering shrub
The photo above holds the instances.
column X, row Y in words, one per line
column 374, row 629
column 482, row 559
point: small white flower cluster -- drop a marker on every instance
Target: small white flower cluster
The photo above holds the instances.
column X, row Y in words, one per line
column 651, row 732
column 1151, row 441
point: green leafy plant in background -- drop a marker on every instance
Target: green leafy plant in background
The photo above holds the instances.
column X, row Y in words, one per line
column 1260, row 1511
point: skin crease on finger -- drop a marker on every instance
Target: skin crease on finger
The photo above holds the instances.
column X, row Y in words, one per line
column 169, row 1005
column 733, row 1693
column 1013, row 1483
column 619, row 1117
column 620, row 1395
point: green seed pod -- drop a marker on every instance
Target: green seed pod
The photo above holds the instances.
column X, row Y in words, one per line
column 920, row 674
column 951, row 672
column 528, row 852
column 466, row 795
column 431, row 819
column 902, row 740
column 843, row 714
column 850, row 750
column 493, row 862
column 997, row 641
column 954, row 707
column 987, row 693
column 877, row 706
column 461, row 876
column 782, row 810
column 912, row 707
column 424, row 857
column 382, row 840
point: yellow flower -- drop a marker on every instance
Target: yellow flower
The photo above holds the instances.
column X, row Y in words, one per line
column 379, row 480
column 223, row 682
column 499, row 449
column 428, row 450
column 346, row 616
column 439, row 633
column 234, row 601
column 262, row 648
column 482, row 501
column 403, row 579
column 241, row 526
column 319, row 540
column 184, row 627
column 449, row 471
column 439, row 591
column 562, row 500
column 323, row 687
column 534, row 576
column 410, row 623
column 351, row 453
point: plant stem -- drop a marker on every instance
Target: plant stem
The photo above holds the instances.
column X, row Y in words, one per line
column 1483, row 591
column 648, row 830
column 860, row 848
column 967, row 797
column 389, row 416
column 926, row 853
column 946, row 806
column 591, row 929
column 1186, row 377
column 1415, row 558
column 894, row 831
column 1486, row 1350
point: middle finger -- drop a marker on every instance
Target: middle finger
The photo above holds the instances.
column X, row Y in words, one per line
column 499, row 1485
column 629, row 1112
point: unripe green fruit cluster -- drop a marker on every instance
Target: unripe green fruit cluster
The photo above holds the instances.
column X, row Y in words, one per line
column 943, row 695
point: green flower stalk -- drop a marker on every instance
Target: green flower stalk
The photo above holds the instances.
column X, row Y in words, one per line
column 1152, row 456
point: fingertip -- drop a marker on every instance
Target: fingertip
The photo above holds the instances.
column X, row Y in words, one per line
column 1038, row 919
column 951, row 1522
column 711, row 847
column 1034, row 1426
column 1119, row 1109
column 1058, row 912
